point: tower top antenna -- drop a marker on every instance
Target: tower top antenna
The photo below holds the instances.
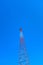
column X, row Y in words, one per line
column 20, row 29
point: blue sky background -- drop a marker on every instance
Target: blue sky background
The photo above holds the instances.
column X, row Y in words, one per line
column 27, row 14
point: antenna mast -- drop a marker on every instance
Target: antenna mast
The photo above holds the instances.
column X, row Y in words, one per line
column 23, row 57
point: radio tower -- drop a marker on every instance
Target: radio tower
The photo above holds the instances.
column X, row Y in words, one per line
column 23, row 56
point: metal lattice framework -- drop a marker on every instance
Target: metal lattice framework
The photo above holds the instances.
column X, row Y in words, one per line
column 23, row 57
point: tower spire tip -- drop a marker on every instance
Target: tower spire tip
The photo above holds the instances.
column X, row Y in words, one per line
column 20, row 29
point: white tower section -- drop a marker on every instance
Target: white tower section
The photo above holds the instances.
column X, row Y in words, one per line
column 21, row 36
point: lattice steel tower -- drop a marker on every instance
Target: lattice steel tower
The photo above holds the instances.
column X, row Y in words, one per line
column 23, row 56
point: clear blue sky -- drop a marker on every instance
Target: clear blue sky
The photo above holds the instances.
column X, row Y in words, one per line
column 27, row 14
